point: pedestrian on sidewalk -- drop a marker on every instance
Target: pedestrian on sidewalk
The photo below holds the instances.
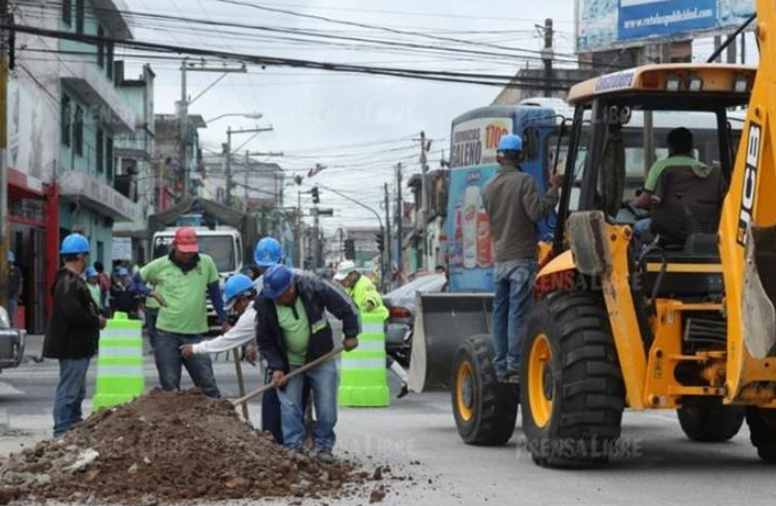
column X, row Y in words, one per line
column 124, row 295
column 15, row 287
column 104, row 281
column 182, row 280
column 292, row 330
column 73, row 332
column 95, row 291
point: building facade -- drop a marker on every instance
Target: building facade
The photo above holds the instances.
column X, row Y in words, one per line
column 65, row 112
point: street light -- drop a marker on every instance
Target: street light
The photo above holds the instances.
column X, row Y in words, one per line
column 252, row 115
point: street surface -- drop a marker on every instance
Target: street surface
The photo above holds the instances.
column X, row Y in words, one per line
column 667, row 469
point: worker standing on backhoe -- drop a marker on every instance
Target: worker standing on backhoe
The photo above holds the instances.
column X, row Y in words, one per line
column 368, row 300
column 514, row 207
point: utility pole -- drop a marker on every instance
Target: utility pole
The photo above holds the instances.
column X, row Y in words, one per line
column 425, row 145
column 183, row 145
column 245, row 179
column 342, row 244
column 399, row 222
column 299, row 237
column 316, row 237
column 743, row 48
column 4, row 18
column 547, row 56
column 229, row 134
column 387, row 240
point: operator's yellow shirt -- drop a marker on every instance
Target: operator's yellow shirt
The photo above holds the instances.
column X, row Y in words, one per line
column 364, row 291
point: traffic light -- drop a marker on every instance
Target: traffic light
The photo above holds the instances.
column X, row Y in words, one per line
column 350, row 249
column 316, row 195
column 380, row 241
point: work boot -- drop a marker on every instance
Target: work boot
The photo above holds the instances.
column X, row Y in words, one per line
column 325, row 457
column 403, row 392
column 512, row 377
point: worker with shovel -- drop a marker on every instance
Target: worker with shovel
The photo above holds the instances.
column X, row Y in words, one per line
column 292, row 330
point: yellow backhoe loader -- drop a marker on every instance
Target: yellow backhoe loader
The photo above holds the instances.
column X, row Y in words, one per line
column 687, row 324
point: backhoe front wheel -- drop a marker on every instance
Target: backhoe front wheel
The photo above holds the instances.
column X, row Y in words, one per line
column 571, row 385
column 762, row 432
column 485, row 409
column 707, row 420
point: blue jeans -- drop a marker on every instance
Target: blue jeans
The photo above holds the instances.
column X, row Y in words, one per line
column 169, row 360
column 71, row 392
column 12, row 305
column 513, row 300
column 150, row 321
column 323, row 381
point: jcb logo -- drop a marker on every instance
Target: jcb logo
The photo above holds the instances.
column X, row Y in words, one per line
column 750, row 182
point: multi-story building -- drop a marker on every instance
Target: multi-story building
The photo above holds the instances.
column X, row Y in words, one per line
column 136, row 171
column 171, row 173
column 64, row 113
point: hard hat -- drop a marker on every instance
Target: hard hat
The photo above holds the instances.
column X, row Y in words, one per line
column 186, row 240
column 91, row 272
column 276, row 280
column 237, row 285
column 74, row 244
column 123, row 271
column 344, row 269
column 268, row 252
column 10, row 257
column 510, row 142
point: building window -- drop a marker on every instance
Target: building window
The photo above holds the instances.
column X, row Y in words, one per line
column 67, row 12
column 65, row 115
column 109, row 61
column 79, row 16
column 100, row 48
column 78, row 131
column 109, row 158
column 99, row 152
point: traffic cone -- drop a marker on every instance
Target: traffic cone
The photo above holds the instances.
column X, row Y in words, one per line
column 363, row 375
column 120, row 362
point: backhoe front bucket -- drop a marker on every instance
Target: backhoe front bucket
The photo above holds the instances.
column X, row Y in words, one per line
column 759, row 315
column 442, row 322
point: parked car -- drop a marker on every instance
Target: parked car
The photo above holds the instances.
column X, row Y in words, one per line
column 401, row 305
column 12, row 342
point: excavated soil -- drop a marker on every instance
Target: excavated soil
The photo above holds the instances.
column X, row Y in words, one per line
column 174, row 446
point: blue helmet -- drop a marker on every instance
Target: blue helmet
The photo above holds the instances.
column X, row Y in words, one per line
column 510, row 142
column 123, row 271
column 237, row 285
column 10, row 257
column 74, row 244
column 91, row 272
column 276, row 280
column 268, row 252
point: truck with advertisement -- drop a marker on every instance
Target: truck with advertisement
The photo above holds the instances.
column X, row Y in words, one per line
column 444, row 320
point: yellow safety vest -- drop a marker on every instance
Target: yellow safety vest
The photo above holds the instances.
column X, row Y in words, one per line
column 364, row 291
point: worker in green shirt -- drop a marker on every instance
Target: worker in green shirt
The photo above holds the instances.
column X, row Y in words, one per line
column 94, row 287
column 182, row 281
column 368, row 300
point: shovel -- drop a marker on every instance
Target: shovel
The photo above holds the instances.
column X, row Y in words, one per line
column 266, row 388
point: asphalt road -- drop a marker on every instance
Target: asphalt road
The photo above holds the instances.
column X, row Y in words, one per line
column 663, row 467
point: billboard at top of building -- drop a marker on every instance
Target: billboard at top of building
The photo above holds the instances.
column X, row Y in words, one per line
column 610, row 24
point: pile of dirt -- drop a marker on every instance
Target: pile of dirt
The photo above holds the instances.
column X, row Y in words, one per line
column 171, row 446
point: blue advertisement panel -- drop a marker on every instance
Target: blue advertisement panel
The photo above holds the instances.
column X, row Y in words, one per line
column 639, row 19
column 608, row 24
column 469, row 238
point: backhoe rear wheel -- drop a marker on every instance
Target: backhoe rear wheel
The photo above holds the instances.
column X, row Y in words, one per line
column 571, row 385
column 707, row 420
column 762, row 432
column 485, row 409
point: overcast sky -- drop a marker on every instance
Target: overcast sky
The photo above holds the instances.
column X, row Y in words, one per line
column 315, row 114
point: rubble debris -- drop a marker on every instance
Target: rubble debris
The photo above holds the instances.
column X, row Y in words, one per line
column 173, row 446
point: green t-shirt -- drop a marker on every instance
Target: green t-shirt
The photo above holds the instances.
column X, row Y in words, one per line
column 150, row 302
column 296, row 331
column 659, row 166
column 185, row 293
column 96, row 292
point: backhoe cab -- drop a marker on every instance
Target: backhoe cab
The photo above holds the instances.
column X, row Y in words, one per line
column 686, row 323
